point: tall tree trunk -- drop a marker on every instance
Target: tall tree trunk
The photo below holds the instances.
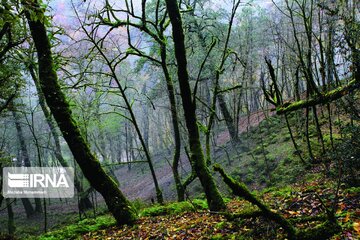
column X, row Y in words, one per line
column 128, row 139
column 11, row 223
column 228, row 118
column 145, row 108
column 1, row 177
column 23, row 157
column 307, row 136
column 215, row 201
column 180, row 188
column 85, row 202
column 118, row 205
column 318, row 129
column 297, row 150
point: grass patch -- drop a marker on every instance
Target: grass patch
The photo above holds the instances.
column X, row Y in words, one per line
column 74, row 231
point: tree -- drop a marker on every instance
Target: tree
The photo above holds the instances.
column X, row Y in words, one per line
column 5, row 161
column 24, row 157
column 117, row 203
column 111, row 64
column 217, row 93
column 11, row 36
column 85, row 202
column 213, row 196
column 316, row 45
column 161, row 45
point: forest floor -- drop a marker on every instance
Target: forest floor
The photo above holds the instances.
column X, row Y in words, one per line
column 264, row 160
column 192, row 220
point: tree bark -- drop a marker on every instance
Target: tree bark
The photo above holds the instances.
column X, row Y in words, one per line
column 24, row 157
column 228, row 118
column 1, row 177
column 117, row 203
column 11, row 223
column 213, row 196
column 180, row 188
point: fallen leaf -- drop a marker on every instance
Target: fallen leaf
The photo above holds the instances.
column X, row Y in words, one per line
column 347, row 218
column 356, row 227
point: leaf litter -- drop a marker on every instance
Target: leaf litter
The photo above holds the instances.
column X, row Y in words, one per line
column 305, row 200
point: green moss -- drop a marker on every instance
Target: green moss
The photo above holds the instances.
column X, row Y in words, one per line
column 174, row 208
column 202, row 204
column 334, row 135
column 311, row 177
column 352, row 190
column 75, row 231
column 322, row 231
column 281, row 192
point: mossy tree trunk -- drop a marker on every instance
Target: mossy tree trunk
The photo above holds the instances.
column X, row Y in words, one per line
column 322, row 231
column 118, row 205
column 213, row 196
column 242, row 191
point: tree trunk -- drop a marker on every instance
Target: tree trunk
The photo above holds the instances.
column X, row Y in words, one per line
column 297, row 150
column 23, row 157
column 228, row 118
column 1, row 177
column 180, row 189
column 215, row 201
column 11, row 223
column 145, row 108
column 307, row 136
column 118, row 205
column 85, row 202
column 318, row 128
column 128, row 139
column 241, row 190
